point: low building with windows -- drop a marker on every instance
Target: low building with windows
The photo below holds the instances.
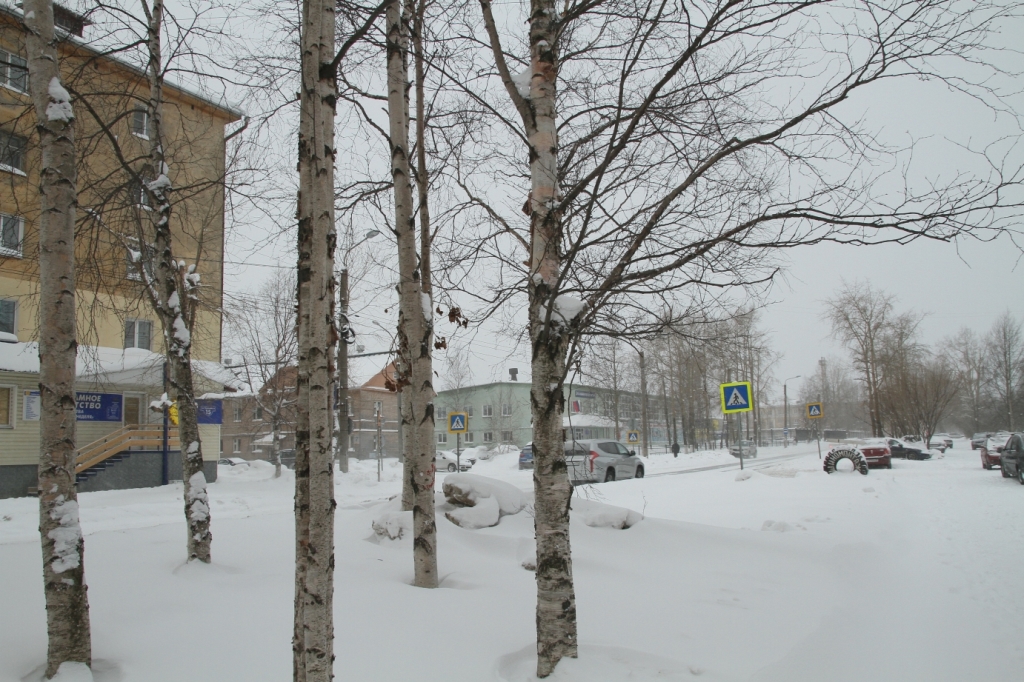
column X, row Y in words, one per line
column 249, row 419
column 499, row 413
column 373, row 409
column 121, row 438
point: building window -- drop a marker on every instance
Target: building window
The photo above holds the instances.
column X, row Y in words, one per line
column 488, row 411
column 8, row 317
column 255, row 447
column 236, row 445
column 138, row 334
column 12, row 153
column 506, row 436
column 13, row 71
column 468, row 437
column 442, row 413
column 442, row 438
column 258, row 414
column 12, row 232
column 506, row 410
column 468, row 409
column 488, row 436
column 140, row 123
column 139, row 195
column 378, row 407
column 238, row 414
column 147, row 256
column 6, row 407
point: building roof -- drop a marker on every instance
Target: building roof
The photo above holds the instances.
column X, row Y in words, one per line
column 586, row 420
column 233, row 112
column 100, row 364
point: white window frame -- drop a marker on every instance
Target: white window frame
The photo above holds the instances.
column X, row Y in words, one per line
column 467, row 437
column 13, row 406
column 255, row 447
column 488, row 436
column 20, row 221
column 468, row 409
column 506, row 409
column 442, row 438
column 507, row 436
column 14, row 322
column 135, row 333
column 145, row 123
column 147, row 256
column 488, row 411
column 6, row 63
column 257, row 413
column 236, row 446
column 378, row 407
column 238, row 413
column 15, row 169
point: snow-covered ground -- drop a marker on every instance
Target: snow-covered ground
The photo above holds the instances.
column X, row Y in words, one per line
column 780, row 573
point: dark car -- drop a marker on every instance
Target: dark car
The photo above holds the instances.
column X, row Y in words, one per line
column 526, row 457
column 979, row 439
column 287, row 457
column 1012, row 458
column 903, row 450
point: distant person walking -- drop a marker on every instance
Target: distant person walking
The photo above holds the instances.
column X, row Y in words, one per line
column 675, row 449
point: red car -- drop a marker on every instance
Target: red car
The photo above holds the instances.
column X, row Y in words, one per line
column 877, row 453
column 990, row 450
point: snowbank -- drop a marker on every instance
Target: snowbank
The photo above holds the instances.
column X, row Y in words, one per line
column 481, row 501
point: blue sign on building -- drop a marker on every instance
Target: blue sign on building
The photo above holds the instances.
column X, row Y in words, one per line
column 210, row 411
column 98, row 407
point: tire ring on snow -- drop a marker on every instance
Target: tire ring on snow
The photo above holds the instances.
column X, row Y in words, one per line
column 855, row 456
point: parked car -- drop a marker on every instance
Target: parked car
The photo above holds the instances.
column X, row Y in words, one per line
column 877, row 453
column 943, row 439
column 232, row 461
column 979, row 439
column 445, row 460
column 596, row 460
column 1012, row 457
column 287, row 457
column 745, row 449
column 526, row 457
column 904, row 450
column 990, row 453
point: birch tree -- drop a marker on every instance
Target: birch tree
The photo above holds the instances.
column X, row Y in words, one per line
column 67, row 604
column 414, row 365
column 666, row 167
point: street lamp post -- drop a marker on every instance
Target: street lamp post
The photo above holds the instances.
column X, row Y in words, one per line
column 345, row 337
column 785, row 411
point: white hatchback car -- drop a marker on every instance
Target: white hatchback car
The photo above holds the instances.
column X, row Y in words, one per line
column 445, row 460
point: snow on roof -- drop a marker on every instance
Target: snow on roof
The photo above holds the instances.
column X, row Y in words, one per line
column 584, row 420
column 115, row 365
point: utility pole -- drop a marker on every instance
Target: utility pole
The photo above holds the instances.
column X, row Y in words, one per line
column 378, row 413
column 785, row 416
column 645, row 426
column 346, row 336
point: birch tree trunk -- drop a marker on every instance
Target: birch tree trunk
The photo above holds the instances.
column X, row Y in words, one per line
column 313, row 642
column 414, row 374
column 67, row 604
column 556, row 599
column 172, row 293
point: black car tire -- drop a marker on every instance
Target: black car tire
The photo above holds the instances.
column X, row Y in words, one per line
column 1020, row 474
column 609, row 475
column 859, row 462
column 889, row 465
column 639, row 472
column 452, row 467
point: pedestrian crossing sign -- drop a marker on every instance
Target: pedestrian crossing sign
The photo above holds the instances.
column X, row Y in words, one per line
column 814, row 411
column 632, row 436
column 458, row 422
column 736, row 397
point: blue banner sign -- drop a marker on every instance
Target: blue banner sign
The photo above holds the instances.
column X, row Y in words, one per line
column 210, row 411
column 98, row 407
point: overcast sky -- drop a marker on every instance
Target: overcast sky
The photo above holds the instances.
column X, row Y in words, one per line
column 960, row 284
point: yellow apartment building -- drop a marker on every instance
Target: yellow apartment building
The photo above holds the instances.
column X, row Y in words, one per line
column 120, row 342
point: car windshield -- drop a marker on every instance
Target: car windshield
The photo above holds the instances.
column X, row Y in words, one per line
column 609, row 448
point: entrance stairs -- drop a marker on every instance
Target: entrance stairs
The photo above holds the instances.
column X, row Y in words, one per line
column 117, row 446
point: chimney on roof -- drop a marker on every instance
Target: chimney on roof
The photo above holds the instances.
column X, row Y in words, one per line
column 513, row 373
